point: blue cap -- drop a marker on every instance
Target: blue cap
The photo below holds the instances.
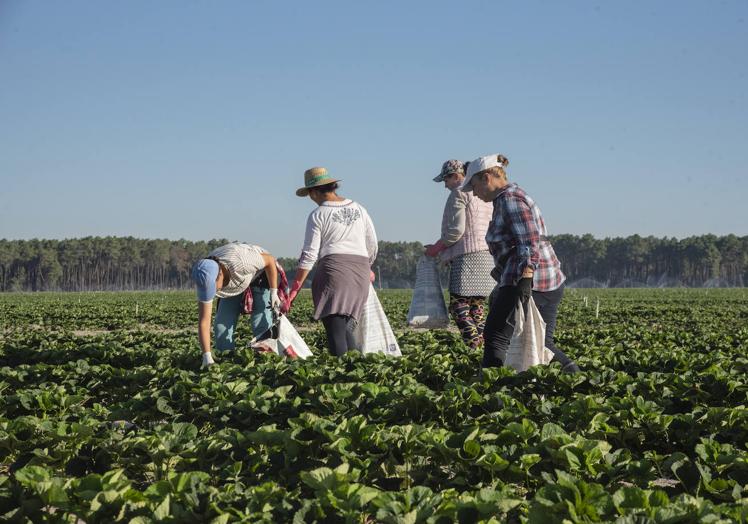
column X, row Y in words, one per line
column 205, row 273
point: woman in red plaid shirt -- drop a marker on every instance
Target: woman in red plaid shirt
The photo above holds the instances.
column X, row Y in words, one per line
column 526, row 264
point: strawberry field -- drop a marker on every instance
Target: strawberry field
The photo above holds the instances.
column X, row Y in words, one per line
column 106, row 416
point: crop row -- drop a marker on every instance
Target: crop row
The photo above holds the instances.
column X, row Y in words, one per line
column 123, row 425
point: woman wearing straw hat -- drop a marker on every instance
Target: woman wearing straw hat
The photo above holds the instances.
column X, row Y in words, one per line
column 340, row 238
column 228, row 272
column 463, row 246
column 526, row 265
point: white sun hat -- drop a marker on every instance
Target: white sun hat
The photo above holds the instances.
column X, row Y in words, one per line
column 476, row 166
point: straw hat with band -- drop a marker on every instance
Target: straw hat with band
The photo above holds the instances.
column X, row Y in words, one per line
column 315, row 177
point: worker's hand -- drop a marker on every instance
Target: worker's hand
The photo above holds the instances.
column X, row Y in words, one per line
column 433, row 250
column 372, row 276
column 207, row 360
column 285, row 306
column 295, row 288
column 524, row 286
column 275, row 301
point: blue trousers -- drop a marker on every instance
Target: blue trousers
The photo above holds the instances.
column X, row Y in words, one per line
column 227, row 315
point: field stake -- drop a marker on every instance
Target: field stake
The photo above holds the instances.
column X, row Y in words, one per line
column 597, row 309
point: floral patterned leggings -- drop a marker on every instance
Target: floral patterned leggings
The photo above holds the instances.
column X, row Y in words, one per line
column 470, row 316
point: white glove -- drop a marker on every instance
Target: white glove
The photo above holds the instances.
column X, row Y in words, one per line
column 208, row 360
column 275, row 301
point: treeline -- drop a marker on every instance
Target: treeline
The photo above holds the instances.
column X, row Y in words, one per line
column 634, row 261
column 117, row 263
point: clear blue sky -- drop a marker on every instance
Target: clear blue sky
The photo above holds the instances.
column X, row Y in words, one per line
column 197, row 119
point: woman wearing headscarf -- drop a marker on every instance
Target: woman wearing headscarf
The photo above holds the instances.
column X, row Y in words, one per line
column 228, row 272
column 341, row 240
column 463, row 247
column 526, row 264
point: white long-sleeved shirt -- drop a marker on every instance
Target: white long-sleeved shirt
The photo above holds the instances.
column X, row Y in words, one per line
column 336, row 228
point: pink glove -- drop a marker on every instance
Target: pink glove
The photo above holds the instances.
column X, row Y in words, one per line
column 295, row 287
column 372, row 276
column 433, row 250
column 286, row 306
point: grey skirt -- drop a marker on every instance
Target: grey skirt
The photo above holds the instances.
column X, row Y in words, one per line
column 470, row 274
column 340, row 285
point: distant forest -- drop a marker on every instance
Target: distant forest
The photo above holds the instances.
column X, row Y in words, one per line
column 126, row 263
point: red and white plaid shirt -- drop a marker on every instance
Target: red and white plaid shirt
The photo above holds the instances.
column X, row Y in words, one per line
column 517, row 239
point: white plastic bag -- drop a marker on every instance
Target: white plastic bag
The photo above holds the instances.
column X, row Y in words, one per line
column 427, row 308
column 527, row 347
column 373, row 333
column 288, row 344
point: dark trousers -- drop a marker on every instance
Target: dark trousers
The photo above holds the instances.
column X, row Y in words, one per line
column 335, row 327
column 498, row 332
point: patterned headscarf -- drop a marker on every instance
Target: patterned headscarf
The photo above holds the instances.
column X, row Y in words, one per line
column 449, row 167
